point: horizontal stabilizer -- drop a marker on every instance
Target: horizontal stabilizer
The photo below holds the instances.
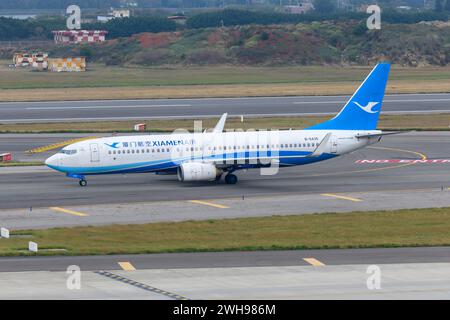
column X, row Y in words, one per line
column 375, row 135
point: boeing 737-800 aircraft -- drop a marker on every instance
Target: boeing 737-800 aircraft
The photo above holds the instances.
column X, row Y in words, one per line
column 206, row 156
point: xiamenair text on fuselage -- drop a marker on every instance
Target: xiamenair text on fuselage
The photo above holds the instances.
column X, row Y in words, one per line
column 206, row 156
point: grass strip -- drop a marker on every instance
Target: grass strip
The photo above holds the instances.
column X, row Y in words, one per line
column 21, row 164
column 387, row 122
column 112, row 82
column 398, row 228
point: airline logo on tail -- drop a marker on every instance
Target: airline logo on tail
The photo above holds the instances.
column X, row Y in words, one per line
column 368, row 108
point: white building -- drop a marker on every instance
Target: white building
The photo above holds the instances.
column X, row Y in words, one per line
column 301, row 8
column 115, row 14
column 121, row 13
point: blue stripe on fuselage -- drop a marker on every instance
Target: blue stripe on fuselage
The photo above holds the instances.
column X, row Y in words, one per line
column 286, row 158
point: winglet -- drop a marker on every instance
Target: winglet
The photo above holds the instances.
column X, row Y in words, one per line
column 321, row 147
column 221, row 124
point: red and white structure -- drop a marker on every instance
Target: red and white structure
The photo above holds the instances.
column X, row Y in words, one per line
column 5, row 157
column 140, row 127
column 79, row 36
column 37, row 60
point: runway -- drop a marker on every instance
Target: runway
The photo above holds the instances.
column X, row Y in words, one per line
column 19, row 112
column 338, row 185
column 244, row 259
column 26, row 187
column 403, row 273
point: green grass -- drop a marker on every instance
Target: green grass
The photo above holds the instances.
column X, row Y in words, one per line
column 417, row 227
column 21, row 164
column 387, row 122
column 101, row 76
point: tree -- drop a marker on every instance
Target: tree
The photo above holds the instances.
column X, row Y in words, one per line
column 447, row 6
column 326, row 6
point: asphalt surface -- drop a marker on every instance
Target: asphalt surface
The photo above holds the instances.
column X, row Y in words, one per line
column 17, row 112
column 230, row 259
column 417, row 273
column 26, row 187
column 415, row 281
column 20, row 144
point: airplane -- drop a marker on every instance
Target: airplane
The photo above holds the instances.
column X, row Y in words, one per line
column 208, row 155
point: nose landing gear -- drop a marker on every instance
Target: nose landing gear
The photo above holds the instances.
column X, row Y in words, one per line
column 82, row 181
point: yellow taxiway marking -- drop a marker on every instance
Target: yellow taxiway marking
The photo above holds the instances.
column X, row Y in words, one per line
column 314, row 262
column 421, row 155
column 341, row 197
column 127, row 266
column 75, row 213
column 58, row 145
column 205, row 203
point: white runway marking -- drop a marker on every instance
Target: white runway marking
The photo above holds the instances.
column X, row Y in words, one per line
column 110, row 107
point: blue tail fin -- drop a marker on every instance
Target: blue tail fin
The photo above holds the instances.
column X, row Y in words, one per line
column 362, row 110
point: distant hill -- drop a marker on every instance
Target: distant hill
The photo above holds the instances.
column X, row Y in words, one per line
column 317, row 43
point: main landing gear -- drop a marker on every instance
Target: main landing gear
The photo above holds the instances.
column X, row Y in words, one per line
column 82, row 183
column 231, row 179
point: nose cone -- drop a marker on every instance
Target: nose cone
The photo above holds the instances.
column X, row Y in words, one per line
column 52, row 162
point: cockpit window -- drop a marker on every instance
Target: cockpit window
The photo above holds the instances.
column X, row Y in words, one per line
column 68, row 152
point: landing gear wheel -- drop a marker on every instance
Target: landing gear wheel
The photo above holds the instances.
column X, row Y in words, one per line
column 231, row 179
column 83, row 183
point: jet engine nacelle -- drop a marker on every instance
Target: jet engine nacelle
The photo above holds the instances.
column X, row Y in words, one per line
column 196, row 171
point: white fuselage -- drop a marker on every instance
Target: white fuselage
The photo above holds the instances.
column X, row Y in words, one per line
column 237, row 150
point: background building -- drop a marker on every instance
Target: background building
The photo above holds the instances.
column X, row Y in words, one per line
column 121, row 13
column 74, row 64
column 302, row 7
column 79, row 36
column 38, row 60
